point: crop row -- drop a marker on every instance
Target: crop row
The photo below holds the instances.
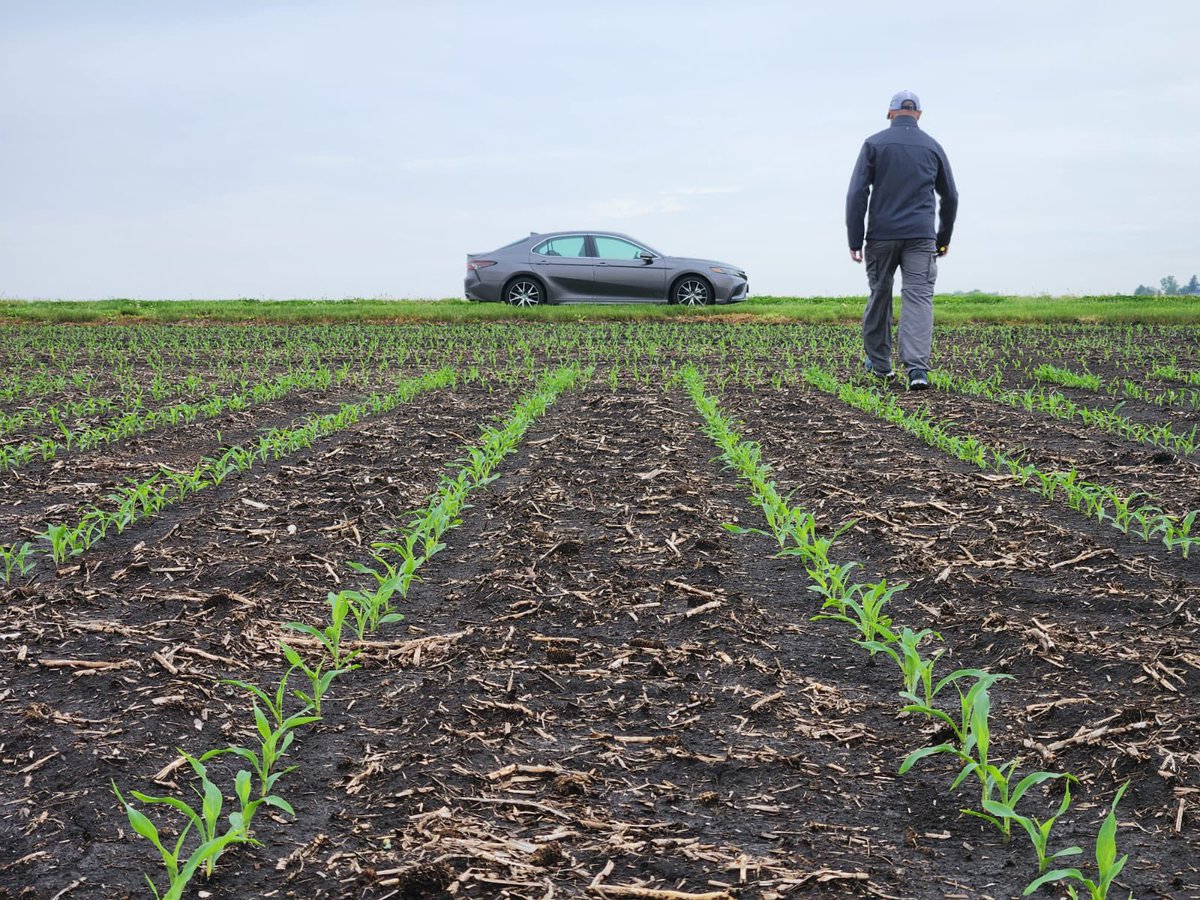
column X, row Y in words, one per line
column 1059, row 406
column 353, row 616
column 960, row 701
column 138, row 422
column 1125, row 387
column 145, row 498
column 1125, row 512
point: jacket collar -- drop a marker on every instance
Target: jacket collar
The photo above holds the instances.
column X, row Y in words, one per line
column 904, row 122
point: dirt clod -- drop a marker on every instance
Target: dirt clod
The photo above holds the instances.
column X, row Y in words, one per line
column 560, row 655
column 548, row 855
column 424, row 880
column 569, row 785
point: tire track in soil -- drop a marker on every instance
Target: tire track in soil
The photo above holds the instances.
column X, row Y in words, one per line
column 216, row 577
column 680, row 746
column 1115, row 633
column 38, row 492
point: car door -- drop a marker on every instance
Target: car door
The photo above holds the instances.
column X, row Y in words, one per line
column 622, row 274
column 564, row 265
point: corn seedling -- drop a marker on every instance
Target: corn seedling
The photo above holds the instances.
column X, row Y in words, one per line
column 832, row 582
column 915, row 668
column 981, row 683
column 273, row 744
column 1066, row 377
column 16, row 560
column 1108, row 866
column 1038, row 830
column 178, row 875
column 330, row 637
column 999, row 792
column 274, row 702
column 862, row 608
column 64, row 542
column 319, row 677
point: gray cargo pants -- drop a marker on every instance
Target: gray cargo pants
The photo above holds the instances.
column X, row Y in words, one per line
column 917, row 260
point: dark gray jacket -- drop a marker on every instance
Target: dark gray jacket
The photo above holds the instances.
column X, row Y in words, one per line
column 899, row 169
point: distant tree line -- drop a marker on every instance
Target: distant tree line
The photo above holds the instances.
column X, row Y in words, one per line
column 1169, row 287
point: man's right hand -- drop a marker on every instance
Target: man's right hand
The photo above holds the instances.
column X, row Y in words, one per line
column 856, row 255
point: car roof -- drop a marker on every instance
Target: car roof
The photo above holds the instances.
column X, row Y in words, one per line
column 552, row 234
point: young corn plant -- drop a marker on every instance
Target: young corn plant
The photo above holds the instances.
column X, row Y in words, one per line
column 960, row 727
column 274, row 702
column 1001, row 793
column 1038, row 830
column 16, row 560
column 320, row 677
column 272, row 745
column 330, row 637
column 829, row 581
column 207, row 821
column 179, row 869
column 1108, row 866
column 64, row 542
column 915, row 668
column 862, row 608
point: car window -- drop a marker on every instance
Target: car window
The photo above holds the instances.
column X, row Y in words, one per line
column 561, row 246
column 615, row 248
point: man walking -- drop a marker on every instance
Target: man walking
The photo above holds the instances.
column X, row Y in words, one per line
column 899, row 169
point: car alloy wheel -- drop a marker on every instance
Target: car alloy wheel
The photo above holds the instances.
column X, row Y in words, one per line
column 524, row 292
column 693, row 292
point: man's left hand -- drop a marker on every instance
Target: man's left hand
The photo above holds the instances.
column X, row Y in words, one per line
column 856, row 255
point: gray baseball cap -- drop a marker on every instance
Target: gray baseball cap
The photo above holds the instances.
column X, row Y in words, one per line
column 899, row 99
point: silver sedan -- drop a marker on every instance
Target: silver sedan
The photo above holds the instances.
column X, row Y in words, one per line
column 597, row 267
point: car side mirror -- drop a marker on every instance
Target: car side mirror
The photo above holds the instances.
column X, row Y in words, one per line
column 646, row 255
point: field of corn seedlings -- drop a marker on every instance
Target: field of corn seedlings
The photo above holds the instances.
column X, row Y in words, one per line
column 627, row 610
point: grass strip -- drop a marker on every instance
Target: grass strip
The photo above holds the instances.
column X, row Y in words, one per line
column 952, row 309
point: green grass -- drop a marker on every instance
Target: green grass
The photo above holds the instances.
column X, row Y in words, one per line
column 949, row 309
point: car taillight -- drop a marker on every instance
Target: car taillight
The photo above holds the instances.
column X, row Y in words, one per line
column 473, row 264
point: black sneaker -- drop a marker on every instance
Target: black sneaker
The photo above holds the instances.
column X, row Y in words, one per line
column 918, row 380
column 888, row 377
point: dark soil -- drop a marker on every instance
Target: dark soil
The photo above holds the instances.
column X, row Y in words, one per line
column 597, row 686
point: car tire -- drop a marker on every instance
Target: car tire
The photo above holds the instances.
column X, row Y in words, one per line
column 692, row 290
column 524, row 291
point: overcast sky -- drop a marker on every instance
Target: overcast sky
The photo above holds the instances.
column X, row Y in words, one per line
column 175, row 149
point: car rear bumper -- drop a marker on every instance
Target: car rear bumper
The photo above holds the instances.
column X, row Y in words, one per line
column 480, row 288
